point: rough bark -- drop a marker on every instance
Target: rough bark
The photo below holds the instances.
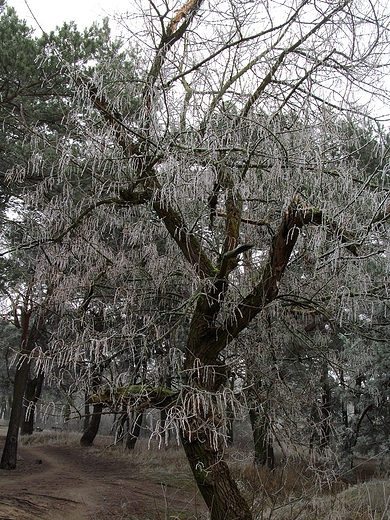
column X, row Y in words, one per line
column 31, row 397
column 93, row 427
column 212, row 475
column 201, row 432
column 122, row 426
column 94, row 419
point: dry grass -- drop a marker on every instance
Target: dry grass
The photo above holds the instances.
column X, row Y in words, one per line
column 166, row 467
column 291, row 491
column 294, row 491
column 361, row 502
column 169, row 465
column 50, row 438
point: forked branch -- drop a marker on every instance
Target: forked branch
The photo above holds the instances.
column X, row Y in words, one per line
column 279, row 255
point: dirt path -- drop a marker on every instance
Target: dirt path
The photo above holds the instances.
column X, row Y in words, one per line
column 74, row 483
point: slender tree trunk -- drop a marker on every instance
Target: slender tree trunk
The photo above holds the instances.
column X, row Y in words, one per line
column 264, row 451
column 120, row 431
column 94, row 419
column 229, row 425
column 133, row 434
column 325, row 413
column 32, row 395
column 93, row 428
column 163, row 430
column 87, row 413
column 9, row 457
column 29, row 337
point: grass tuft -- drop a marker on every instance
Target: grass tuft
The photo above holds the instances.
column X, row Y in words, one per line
column 50, row 438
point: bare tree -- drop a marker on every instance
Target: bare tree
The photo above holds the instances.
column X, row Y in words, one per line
column 225, row 176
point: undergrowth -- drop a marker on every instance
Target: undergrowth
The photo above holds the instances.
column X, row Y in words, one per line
column 296, row 491
column 291, row 491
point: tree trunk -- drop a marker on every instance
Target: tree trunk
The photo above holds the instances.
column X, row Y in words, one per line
column 163, row 429
column 230, row 415
column 90, row 433
column 92, row 428
column 229, row 425
column 121, row 429
column 133, row 434
column 29, row 337
column 264, row 451
column 212, row 475
column 325, row 414
column 8, row 460
column 87, row 413
column 32, row 394
column 203, row 435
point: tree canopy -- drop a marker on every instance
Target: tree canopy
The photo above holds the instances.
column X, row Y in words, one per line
column 220, row 171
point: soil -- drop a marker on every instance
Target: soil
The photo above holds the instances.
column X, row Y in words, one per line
column 56, row 482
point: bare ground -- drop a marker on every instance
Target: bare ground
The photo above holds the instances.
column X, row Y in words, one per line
column 56, row 482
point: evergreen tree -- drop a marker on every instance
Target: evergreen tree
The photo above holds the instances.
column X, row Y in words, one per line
column 35, row 98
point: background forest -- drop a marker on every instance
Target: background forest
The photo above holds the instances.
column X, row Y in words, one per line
column 194, row 220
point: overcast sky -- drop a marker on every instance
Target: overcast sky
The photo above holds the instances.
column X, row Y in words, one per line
column 49, row 14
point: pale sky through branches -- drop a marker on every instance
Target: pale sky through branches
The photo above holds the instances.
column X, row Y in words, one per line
column 50, row 14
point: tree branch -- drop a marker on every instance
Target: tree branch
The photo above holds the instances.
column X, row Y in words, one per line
column 135, row 396
column 278, row 257
column 268, row 78
column 170, row 36
column 173, row 222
